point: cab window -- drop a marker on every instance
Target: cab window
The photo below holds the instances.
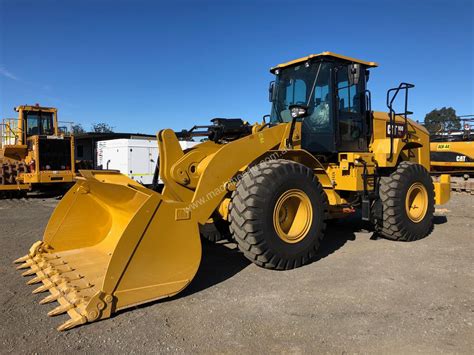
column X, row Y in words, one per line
column 348, row 94
column 32, row 127
column 295, row 92
column 39, row 123
column 319, row 108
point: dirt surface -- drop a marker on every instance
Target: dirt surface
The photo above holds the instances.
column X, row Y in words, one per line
column 362, row 295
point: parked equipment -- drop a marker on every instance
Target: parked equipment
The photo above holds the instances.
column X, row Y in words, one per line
column 34, row 150
column 112, row 243
column 136, row 158
column 452, row 152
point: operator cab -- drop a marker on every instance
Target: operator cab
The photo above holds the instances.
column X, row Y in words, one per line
column 330, row 91
column 37, row 120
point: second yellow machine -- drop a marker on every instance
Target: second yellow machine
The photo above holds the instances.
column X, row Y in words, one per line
column 452, row 152
column 35, row 152
column 112, row 243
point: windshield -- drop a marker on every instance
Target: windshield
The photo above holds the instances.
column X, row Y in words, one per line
column 38, row 123
column 296, row 86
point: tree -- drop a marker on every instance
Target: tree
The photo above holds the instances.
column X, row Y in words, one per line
column 442, row 119
column 102, row 128
column 77, row 129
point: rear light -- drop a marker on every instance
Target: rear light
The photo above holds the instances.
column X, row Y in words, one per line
column 68, row 167
column 32, row 166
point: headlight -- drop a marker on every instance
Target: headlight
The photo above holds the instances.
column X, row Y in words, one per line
column 298, row 111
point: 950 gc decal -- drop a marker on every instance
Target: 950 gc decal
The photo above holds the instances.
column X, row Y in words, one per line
column 398, row 130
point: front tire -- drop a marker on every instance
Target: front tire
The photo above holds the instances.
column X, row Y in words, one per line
column 407, row 197
column 277, row 215
column 215, row 230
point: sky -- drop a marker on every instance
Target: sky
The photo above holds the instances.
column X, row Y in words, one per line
column 142, row 66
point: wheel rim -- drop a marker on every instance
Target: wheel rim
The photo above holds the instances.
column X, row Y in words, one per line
column 416, row 202
column 292, row 216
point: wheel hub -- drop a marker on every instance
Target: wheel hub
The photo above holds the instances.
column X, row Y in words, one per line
column 416, row 202
column 292, row 216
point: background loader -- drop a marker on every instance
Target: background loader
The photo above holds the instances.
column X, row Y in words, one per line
column 34, row 151
column 112, row 243
column 452, row 152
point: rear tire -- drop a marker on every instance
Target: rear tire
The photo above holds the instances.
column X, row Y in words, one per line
column 277, row 215
column 407, row 197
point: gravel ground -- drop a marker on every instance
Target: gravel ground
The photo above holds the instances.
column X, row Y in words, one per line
column 362, row 295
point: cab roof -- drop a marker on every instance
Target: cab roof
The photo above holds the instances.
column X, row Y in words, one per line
column 36, row 107
column 324, row 54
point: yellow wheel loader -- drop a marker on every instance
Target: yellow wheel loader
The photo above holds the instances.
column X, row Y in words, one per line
column 323, row 153
column 34, row 151
column 452, row 152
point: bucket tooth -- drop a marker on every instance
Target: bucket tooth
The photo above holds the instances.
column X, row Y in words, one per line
column 71, row 323
column 43, row 288
column 32, row 271
column 35, row 280
column 50, row 298
column 25, row 265
column 22, row 259
column 60, row 310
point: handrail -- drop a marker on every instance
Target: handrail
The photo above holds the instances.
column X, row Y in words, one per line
column 368, row 111
column 9, row 131
column 392, row 113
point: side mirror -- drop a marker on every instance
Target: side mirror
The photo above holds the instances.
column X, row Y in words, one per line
column 298, row 111
column 271, row 90
column 367, row 75
column 354, row 73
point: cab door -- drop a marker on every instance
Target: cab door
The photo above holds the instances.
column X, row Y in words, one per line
column 351, row 127
column 317, row 130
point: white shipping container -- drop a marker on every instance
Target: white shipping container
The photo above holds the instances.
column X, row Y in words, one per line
column 135, row 158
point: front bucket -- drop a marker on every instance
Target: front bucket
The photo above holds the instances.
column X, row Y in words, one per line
column 110, row 244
